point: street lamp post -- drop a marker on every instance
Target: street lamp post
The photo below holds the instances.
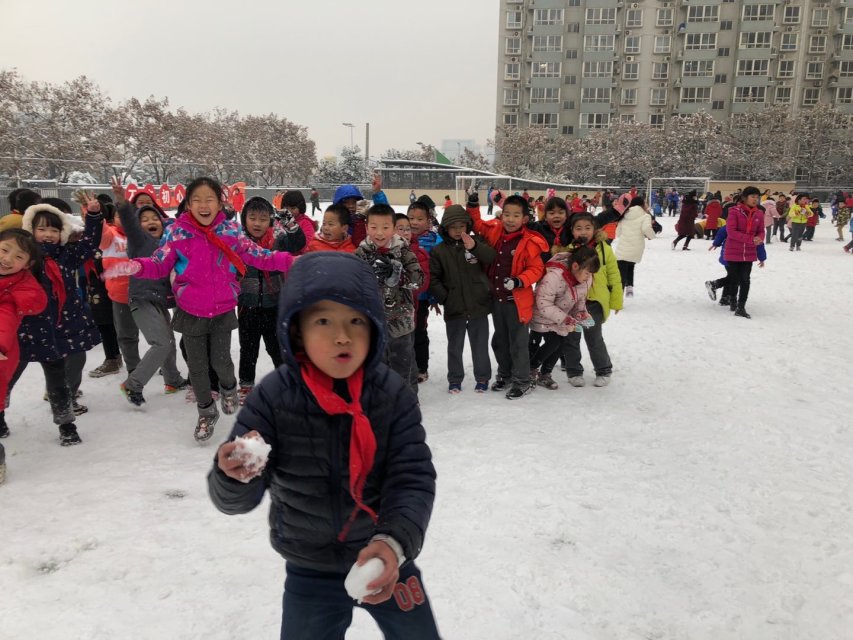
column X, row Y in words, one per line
column 351, row 127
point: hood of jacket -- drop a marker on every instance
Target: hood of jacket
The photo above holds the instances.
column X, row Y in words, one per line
column 346, row 191
column 339, row 277
column 70, row 224
column 634, row 212
column 455, row 213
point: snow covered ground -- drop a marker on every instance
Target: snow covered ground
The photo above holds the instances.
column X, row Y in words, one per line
column 706, row 494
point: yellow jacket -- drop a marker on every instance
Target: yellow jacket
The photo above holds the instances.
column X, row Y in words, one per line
column 798, row 214
column 11, row 221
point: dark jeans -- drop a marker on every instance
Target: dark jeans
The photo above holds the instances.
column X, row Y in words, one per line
column 626, row 270
column 780, row 225
column 797, row 230
column 509, row 343
column 809, row 233
column 109, row 340
column 254, row 325
column 711, row 233
column 552, row 346
column 316, row 606
column 739, row 273
column 59, row 392
column 679, row 239
column 211, row 374
column 594, row 339
column 400, row 357
column 724, row 283
column 422, row 336
column 315, row 206
column 478, row 336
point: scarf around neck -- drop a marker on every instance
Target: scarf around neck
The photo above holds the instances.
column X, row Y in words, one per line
column 209, row 233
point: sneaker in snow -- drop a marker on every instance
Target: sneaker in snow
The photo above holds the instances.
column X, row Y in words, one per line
column 481, row 387
column 77, row 408
column 454, row 387
column 499, row 385
column 709, row 287
column 577, row 381
column 629, row 292
column 133, row 397
column 545, row 380
column 423, row 376
column 519, row 390
column 68, row 435
column 109, row 367
column 601, row 381
column 174, row 388
column 741, row 313
column 243, row 392
column 230, row 400
column 204, row 426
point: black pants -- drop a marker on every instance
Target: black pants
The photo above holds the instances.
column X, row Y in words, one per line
column 59, row 391
column 808, row 234
column 594, row 338
column 739, row 273
column 680, row 238
column 710, row 233
column 422, row 336
column 205, row 352
column 477, row 330
column 780, row 224
column 626, row 270
column 400, row 357
column 724, row 283
column 797, row 231
column 315, row 206
column 551, row 347
column 254, row 325
column 509, row 344
column 211, row 374
column 109, row 340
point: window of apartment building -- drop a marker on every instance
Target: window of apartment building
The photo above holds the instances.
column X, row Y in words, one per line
column 571, row 54
column 752, row 67
column 845, row 69
column 789, row 41
column 718, row 105
column 820, row 17
column 567, row 131
column 510, row 119
column 573, row 27
column 571, row 79
column 574, row 3
column 758, row 12
column 817, row 44
column 511, row 97
column 596, row 95
column 631, row 71
column 698, row 69
column 657, row 121
column 721, row 78
column 545, row 69
column 547, row 16
column 844, row 95
column 627, row 118
column 660, row 70
column 544, row 95
column 547, row 43
column 723, row 52
column 697, row 41
column 629, row 96
column 595, row 121
column 634, row 18
column 512, row 71
column 703, row 13
column 847, row 42
column 786, row 69
column 726, row 25
column 513, row 46
column 848, row 16
column 664, row 18
column 598, row 43
column 632, row 44
column 814, row 70
column 695, row 94
column 568, row 105
column 598, row 69
column 791, row 15
column 658, row 97
column 755, row 40
column 783, row 95
column 544, row 120
column 750, row 94
column 601, row 16
column 663, row 44
column 513, row 19
column 811, row 97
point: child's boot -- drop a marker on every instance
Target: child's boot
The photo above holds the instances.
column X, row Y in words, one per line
column 244, row 391
column 207, row 418
column 109, row 367
column 4, row 428
column 230, row 399
column 68, row 435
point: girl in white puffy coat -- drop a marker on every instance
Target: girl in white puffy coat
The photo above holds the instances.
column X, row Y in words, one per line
column 633, row 230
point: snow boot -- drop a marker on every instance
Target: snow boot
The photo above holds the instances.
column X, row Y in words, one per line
column 519, row 390
column 601, row 381
column 169, row 389
column 207, row 418
column 109, row 367
column 77, row 408
column 545, row 380
column 133, row 397
column 499, row 385
column 423, row 376
column 741, row 313
column 4, row 428
column 68, row 435
column 629, row 292
column 244, row 391
column 230, row 400
column 709, row 287
column 577, row 381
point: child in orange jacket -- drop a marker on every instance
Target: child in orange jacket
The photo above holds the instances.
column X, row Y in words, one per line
column 516, row 269
column 333, row 234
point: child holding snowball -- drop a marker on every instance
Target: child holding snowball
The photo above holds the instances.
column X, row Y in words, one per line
column 349, row 473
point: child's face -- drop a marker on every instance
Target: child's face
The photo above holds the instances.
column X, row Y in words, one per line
column 257, row 223
column 204, row 205
column 556, row 217
column 580, row 273
column 456, row 230
column 351, row 204
column 293, row 211
column 404, row 229
column 512, row 218
column 12, row 258
column 751, row 200
column 336, row 338
column 380, row 230
column 143, row 199
column 45, row 233
column 419, row 220
column 151, row 222
column 332, row 230
column 582, row 231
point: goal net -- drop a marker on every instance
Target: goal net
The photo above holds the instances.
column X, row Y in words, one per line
column 481, row 184
column 683, row 184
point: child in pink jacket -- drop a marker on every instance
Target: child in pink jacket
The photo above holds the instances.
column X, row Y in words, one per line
column 206, row 253
column 561, row 305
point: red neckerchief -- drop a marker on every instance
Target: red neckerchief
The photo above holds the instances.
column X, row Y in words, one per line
column 210, row 235
column 556, row 232
column 568, row 276
column 509, row 237
column 362, row 444
column 54, row 274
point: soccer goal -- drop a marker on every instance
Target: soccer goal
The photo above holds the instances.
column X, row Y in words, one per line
column 682, row 184
column 482, row 184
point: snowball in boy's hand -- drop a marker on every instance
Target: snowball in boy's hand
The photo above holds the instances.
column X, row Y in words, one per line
column 362, row 575
column 252, row 453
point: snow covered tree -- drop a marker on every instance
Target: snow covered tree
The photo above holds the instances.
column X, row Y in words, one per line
column 524, row 152
column 473, row 160
column 349, row 169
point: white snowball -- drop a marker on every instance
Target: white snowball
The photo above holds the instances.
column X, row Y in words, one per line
column 254, row 453
column 360, row 576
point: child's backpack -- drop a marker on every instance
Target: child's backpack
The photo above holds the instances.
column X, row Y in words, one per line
column 621, row 203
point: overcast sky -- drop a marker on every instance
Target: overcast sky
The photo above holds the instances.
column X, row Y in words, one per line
column 417, row 71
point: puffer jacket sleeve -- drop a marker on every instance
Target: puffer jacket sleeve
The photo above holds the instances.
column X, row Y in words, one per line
column 77, row 253
column 436, row 275
column 483, row 251
column 408, row 488
column 549, row 289
column 412, row 276
column 290, row 241
column 646, row 227
column 232, row 496
column 614, row 280
column 258, row 257
column 160, row 264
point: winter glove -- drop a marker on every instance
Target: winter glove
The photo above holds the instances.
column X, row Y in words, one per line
column 382, row 268
column 290, row 225
column 129, row 268
column 512, row 283
column 396, row 270
column 474, row 200
column 585, row 323
column 570, row 323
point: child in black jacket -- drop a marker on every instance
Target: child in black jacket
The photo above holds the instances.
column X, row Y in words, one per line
column 349, row 473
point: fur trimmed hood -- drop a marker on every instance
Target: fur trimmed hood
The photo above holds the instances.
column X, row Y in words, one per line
column 70, row 224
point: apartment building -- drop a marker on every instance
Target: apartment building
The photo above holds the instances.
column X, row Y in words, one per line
column 570, row 66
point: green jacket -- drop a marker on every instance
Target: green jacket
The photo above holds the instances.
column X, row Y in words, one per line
column 457, row 277
column 798, row 214
column 606, row 283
